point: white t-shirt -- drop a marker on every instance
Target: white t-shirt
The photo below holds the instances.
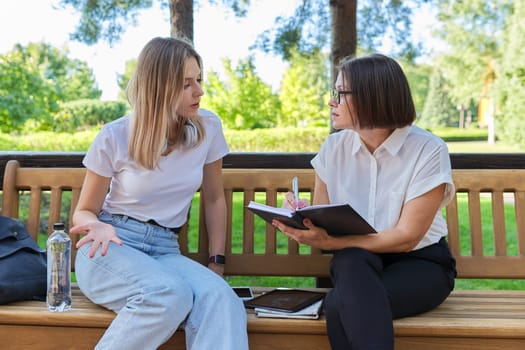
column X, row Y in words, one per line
column 408, row 164
column 163, row 194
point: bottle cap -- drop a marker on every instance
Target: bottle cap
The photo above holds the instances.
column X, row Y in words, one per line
column 58, row 226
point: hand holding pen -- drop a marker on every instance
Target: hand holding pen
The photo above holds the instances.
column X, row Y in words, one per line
column 292, row 200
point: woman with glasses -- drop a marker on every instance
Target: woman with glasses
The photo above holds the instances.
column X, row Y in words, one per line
column 398, row 177
column 142, row 173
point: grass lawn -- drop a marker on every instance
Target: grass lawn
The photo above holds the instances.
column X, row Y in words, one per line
column 481, row 147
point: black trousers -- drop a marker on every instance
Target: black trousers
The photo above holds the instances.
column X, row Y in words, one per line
column 370, row 290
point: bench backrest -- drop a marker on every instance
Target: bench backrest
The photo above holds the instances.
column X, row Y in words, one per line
column 482, row 233
column 487, row 237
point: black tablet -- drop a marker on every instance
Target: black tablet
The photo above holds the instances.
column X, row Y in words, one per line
column 285, row 300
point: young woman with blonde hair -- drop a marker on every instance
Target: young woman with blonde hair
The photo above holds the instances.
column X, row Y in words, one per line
column 142, row 172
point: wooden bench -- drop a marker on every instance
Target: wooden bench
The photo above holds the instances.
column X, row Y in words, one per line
column 471, row 319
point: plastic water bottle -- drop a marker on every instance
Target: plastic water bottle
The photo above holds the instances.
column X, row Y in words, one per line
column 58, row 270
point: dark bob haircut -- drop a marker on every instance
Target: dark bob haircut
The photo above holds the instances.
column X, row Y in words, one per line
column 381, row 95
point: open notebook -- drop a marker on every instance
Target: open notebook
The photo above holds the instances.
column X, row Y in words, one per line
column 336, row 219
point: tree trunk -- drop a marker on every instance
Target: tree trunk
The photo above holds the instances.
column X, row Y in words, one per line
column 344, row 31
column 181, row 13
column 344, row 34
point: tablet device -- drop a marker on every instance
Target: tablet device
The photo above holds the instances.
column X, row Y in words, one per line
column 285, row 300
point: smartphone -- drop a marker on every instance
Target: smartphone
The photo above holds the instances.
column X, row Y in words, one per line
column 245, row 293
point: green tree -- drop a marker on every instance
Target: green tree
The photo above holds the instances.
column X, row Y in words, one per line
column 124, row 78
column 301, row 94
column 34, row 79
column 307, row 29
column 310, row 27
column 107, row 19
column 23, row 93
column 242, row 100
column 438, row 110
column 473, row 31
column 72, row 79
column 418, row 76
column 509, row 87
column 486, row 40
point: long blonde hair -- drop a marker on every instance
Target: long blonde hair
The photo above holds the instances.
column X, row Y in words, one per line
column 155, row 92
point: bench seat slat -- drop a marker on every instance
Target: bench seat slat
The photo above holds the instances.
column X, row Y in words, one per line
column 463, row 314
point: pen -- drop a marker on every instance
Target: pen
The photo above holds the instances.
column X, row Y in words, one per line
column 295, row 188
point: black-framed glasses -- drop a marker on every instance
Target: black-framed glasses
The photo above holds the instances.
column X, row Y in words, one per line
column 336, row 94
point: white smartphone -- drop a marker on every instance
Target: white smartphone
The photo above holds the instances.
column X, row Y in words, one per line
column 245, row 293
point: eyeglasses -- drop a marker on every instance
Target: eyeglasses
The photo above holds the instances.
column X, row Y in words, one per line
column 336, row 94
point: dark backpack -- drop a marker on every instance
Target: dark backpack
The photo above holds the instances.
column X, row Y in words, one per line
column 23, row 270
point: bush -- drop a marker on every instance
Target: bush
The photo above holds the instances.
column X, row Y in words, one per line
column 85, row 114
column 277, row 139
column 259, row 140
column 456, row 134
column 49, row 141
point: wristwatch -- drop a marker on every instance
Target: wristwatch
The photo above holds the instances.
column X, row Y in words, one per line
column 217, row 259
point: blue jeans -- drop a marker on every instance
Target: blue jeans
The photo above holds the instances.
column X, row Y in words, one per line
column 154, row 290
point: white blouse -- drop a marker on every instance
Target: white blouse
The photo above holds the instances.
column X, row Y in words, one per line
column 408, row 164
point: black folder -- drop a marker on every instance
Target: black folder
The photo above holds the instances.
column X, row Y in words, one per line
column 285, row 300
column 336, row 219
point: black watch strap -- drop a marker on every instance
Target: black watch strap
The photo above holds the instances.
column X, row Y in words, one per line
column 217, row 259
